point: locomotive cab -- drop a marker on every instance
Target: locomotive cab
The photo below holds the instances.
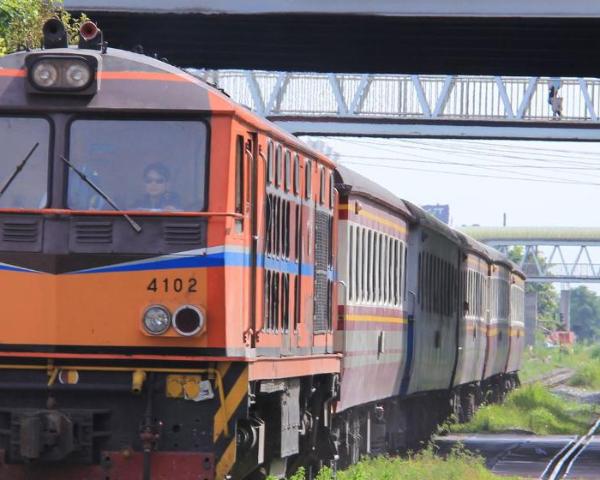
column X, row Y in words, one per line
column 157, row 273
column 116, row 243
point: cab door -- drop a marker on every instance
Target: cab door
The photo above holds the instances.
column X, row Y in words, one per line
column 251, row 153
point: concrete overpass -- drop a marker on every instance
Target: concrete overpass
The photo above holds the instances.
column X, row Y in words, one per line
column 492, row 37
column 436, row 8
column 550, row 254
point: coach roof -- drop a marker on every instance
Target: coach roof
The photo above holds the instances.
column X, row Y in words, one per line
column 349, row 181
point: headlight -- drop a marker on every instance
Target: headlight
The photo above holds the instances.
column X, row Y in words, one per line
column 53, row 73
column 156, row 320
column 78, row 76
column 44, row 74
column 188, row 320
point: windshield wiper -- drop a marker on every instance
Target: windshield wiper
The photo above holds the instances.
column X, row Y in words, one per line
column 108, row 200
column 18, row 169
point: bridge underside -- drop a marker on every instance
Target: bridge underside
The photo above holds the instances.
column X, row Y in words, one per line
column 359, row 43
column 389, row 128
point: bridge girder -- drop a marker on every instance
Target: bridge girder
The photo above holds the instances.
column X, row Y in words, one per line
column 555, row 38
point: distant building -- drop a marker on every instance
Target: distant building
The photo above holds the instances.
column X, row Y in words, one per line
column 441, row 212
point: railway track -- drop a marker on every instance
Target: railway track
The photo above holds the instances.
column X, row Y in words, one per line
column 552, row 457
column 553, row 379
column 578, row 459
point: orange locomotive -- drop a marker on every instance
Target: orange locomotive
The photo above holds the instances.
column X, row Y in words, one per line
column 141, row 306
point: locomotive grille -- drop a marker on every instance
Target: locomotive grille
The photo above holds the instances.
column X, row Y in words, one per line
column 94, row 232
column 322, row 261
column 21, row 232
column 183, row 233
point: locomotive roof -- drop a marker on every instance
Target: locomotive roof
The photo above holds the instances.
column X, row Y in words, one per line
column 348, row 180
column 132, row 82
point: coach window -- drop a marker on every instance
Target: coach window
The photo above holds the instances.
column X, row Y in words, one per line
column 393, row 271
column 269, row 172
column 396, row 277
column 239, row 175
column 288, row 170
column 308, row 179
column 351, row 257
column 382, row 269
column 268, row 311
column 386, row 269
column 425, row 279
column 376, row 268
column 369, row 252
column 321, row 185
column 331, row 190
column 404, row 258
column 285, row 302
column 359, row 263
column 278, row 153
column 423, row 270
column 431, row 282
column 296, row 174
column 287, row 231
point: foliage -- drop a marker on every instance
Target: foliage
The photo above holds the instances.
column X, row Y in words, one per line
column 585, row 313
column 425, row 465
column 532, row 408
column 587, row 376
column 547, row 297
column 21, row 23
column 595, row 352
column 541, row 360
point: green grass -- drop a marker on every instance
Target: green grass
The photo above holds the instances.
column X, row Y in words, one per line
column 426, row 465
column 532, row 408
column 595, row 352
column 587, row 376
column 541, row 360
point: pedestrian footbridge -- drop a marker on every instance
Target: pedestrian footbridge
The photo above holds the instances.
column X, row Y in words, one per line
column 548, row 254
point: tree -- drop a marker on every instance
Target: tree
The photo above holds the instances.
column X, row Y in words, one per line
column 21, row 23
column 548, row 299
column 585, row 313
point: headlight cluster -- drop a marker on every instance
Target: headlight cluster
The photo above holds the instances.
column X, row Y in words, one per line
column 68, row 74
column 187, row 320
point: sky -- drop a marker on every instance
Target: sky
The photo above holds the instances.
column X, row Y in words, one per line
column 535, row 183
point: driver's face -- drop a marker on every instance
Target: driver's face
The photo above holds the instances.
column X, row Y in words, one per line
column 156, row 184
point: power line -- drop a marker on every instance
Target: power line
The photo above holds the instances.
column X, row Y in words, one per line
column 483, row 165
column 464, row 174
column 426, row 160
column 466, row 145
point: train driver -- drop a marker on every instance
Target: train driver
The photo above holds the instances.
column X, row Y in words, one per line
column 157, row 195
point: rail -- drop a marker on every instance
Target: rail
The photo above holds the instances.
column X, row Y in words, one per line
column 552, row 379
column 564, row 460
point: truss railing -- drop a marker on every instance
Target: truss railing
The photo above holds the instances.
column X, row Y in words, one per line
column 429, row 97
column 579, row 264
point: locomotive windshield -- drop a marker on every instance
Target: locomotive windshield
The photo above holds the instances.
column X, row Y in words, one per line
column 153, row 165
column 17, row 137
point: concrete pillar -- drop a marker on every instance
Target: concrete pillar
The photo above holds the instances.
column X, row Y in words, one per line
column 565, row 308
column 531, row 314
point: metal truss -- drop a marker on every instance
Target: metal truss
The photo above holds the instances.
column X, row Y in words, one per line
column 561, row 263
column 348, row 98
